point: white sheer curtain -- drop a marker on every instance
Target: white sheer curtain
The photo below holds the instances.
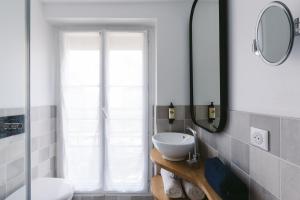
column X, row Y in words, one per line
column 80, row 145
column 110, row 156
column 126, row 103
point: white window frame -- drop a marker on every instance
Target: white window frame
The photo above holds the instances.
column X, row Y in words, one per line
column 151, row 66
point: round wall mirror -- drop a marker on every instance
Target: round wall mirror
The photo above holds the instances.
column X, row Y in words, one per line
column 275, row 33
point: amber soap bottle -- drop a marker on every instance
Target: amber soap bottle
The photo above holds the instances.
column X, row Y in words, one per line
column 172, row 113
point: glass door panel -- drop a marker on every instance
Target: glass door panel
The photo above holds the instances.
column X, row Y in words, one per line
column 13, row 98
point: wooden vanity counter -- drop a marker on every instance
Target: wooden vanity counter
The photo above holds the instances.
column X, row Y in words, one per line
column 183, row 170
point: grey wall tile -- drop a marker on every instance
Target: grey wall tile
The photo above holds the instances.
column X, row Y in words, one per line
column 290, row 182
column 44, row 168
column 162, row 125
column 180, row 112
column 45, row 112
column 290, row 140
column 238, row 126
column 244, row 177
column 34, row 172
column 2, row 175
column 219, row 141
column 52, row 150
column 15, row 150
column 34, row 144
column 43, row 154
column 44, row 140
column 272, row 124
column 188, row 123
column 34, row 158
column 76, row 197
column 53, row 163
column 222, row 144
column 240, row 154
column 12, row 150
column 207, row 137
column 265, row 170
column 2, row 192
column 15, row 168
column 53, row 138
column 3, row 154
column 99, row 198
column 2, row 112
column 207, row 151
column 15, row 183
column 53, row 111
column 34, row 114
column 201, row 112
column 188, row 112
column 177, row 126
column 162, row 112
column 257, row 192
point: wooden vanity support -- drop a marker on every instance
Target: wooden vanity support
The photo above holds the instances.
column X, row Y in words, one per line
column 181, row 169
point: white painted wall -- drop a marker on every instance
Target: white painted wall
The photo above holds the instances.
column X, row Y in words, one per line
column 12, row 53
column 171, row 19
column 42, row 58
column 254, row 85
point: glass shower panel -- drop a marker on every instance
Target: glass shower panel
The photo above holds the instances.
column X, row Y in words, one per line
column 13, row 98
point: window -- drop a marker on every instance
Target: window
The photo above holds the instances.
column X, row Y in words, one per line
column 103, row 103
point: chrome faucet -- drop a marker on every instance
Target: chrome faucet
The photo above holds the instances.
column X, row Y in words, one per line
column 194, row 159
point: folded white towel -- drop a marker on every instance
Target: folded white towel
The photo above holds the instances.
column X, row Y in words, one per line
column 192, row 191
column 172, row 186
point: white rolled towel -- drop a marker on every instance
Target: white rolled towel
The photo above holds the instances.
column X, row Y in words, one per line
column 172, row 186
column 192, row 191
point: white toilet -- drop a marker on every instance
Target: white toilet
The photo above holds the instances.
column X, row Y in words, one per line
column 46, row 189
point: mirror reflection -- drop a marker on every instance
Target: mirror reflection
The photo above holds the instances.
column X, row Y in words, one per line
column 206, row 64
column 275, row 34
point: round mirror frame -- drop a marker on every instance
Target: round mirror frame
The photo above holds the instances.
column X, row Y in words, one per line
column 292, row 31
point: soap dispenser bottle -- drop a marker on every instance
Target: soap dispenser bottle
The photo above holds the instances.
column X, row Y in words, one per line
column 172, row 113
column 211, row 112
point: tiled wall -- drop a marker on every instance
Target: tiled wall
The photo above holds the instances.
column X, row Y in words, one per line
column 12, row 149
column 182, row 120
column 43, row 141
column 273, row 175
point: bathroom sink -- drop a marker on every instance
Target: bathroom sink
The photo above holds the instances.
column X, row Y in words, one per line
column 173, row 146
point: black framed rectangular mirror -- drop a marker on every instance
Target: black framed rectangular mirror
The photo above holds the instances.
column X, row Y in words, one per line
column 208, row 64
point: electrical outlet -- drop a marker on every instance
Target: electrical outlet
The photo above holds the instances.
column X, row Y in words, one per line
column 259, row 138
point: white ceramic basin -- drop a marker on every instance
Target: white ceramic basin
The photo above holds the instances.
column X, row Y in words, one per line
column 173, row 146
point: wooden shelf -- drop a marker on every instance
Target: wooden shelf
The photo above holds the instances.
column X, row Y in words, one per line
column 157, row 188
column 181, row 169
